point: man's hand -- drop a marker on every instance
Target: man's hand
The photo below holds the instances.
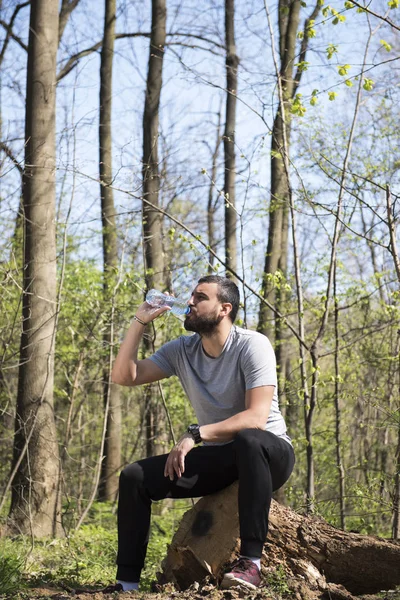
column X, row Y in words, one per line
column 148, row 313
column 176, row 458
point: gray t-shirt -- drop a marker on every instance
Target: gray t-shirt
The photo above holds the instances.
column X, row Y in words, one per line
column 216, row 387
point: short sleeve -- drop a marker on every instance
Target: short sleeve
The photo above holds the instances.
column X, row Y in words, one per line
column 258, row 362
column 166, row 357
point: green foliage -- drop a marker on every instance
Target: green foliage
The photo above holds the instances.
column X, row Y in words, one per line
column 314, row 98
column 87, row 556
column 331, row 50
column 368, row 84
column 297, row 107
column 278, row 581
column 343, row 69
column 11, row 567
column 386, row 45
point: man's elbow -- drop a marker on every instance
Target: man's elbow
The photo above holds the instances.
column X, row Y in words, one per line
column 121, row 379
column 116, row 377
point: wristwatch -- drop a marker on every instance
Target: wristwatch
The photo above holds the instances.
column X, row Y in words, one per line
column 194, row 431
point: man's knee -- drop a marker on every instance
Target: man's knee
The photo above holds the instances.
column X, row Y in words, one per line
column 249, row 439
column 132, row 475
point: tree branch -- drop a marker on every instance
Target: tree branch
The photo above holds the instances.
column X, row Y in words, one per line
column 374, row 14
column 8, row 152
column 304, row 45
column 8, row 27
column 67, row 7
column 74, row 59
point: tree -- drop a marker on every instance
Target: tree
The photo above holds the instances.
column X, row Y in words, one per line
column 289, row 80
column 152, row 218
column 35, row 503
column 111, row 393
column 232, row 62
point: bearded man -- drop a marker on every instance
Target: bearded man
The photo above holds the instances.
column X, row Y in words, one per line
column 229, row 376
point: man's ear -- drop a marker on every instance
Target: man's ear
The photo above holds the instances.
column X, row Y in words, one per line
column 226, row 308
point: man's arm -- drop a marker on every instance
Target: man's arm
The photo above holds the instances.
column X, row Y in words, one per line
column 127, row 369
column 255, row 415
column 258, row 405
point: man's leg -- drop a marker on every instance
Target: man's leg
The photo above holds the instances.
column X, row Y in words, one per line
column 208, row 469
column 264, row 462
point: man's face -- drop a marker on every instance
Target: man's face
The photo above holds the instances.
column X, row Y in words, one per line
column 205, row 309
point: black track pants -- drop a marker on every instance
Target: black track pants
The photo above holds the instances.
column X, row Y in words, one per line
column 260, row 460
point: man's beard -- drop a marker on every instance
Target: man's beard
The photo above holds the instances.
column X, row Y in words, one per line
column 205, row 325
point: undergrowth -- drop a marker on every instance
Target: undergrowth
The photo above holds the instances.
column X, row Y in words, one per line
column 85, row 557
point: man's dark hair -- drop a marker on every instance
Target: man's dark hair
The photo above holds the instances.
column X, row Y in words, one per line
column 228, row 291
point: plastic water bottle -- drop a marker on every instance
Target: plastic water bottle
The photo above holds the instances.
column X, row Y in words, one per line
column 158, row 299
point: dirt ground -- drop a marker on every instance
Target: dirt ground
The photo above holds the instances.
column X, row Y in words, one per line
column 195, row 592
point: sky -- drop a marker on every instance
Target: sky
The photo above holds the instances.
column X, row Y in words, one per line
column 192, row 97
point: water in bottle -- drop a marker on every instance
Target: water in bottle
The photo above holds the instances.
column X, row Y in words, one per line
column 158, row 299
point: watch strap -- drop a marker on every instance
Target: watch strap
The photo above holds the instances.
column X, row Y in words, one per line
column 194, row 431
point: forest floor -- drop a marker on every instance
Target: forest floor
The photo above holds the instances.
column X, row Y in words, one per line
column 195, row 592
column 168, row 592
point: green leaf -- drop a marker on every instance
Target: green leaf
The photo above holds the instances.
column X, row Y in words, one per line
column 368, row 84
column 343, row 69
column 297, row 107
column 314, row 98
column 331, row 50
column 311, row 33
column 332, row 96
column 393, row 4
column 387, row 46
column 302, row 66
column 348, row 5
column 349, row 83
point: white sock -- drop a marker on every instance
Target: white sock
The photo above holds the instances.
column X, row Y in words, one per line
column 128, row 586
column 256, row 561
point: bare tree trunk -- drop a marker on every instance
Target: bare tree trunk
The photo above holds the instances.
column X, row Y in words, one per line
column 396, row 261
column 211, row 202
column 35, row 504
column 276, row 254
column 338, row 414
column 152, row 218
column 232, row 62
column 111, row 393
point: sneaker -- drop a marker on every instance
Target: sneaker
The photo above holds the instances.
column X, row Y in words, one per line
column 243, row 573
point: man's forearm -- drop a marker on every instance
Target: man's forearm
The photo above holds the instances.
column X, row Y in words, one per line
column 258, row 404
column 225, row 431
column 124, row 371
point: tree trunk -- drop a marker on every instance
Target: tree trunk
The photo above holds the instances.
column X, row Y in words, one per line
column 211, row 204
column 232, row 62
column 152, row 219
column 289, row 17
column 35, row 503
column 111, row 393
column 319, row 560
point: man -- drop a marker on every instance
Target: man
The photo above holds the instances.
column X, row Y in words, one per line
column 229, row 376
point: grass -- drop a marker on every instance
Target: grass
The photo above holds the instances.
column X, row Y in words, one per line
column 85, row 557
